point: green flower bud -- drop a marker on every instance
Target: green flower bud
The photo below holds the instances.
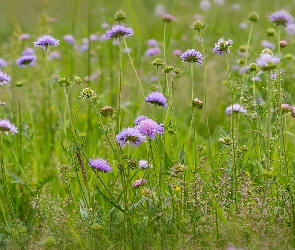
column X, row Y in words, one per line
column 198, row 25
column 253, row 67
column 120, row 16
column 270, row 32
column 253, row 17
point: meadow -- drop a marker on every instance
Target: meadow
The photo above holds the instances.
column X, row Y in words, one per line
column 140, row 124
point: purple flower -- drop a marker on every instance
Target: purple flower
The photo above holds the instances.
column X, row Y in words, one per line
column 157, row 98
column 192, row 56
column 3, row 63
column 28, row 52
column 94, row 37
column 139, row 182
column 281, row 17
column 54, row 55
column 143, row 164
column 267, row 61
column 222, row 46
column 6, row 126
column 150, row 128
column 205, row 5
column 118, row 30
column 100, row 164
column 24, row 37
column 290, row 29
column 152, row 51
column 152, row 43
column 69, row 39
column 286, row 108
column 46, row 40
column 140, row 118
column 4, row 78
column 267, row 44
column 235, row 108
column 130, row 135
column 177, row 52
column 26, row 61
column 167, row 18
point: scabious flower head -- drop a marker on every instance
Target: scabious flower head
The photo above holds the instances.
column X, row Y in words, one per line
column 107, row 111
column 196, row 103
column 143, row 164
column 253, row 17
column 167, row 18
column 3, row 63
column 54, row 55
column 131, row 136
column 158, row 62
column 198, row 25
column 152, row 43
column 157, row 98
column 283, row 44
column 192, row 56
column 139, row 182
column 281, row 17
column 100, row 164
column 150, row 128
column 270, row 32
column 177, row 52
column 28, row 52
column 290, row 29
column 26, row 60
column 6, row 126
column 205, row 5
column 120, row 16
column 253, row 67
column 88, row 93
column 267, row 61
column 46, row 40
column 286, row 108
column 140, row 118
column 222, row 46
column 152, row 51
column 117, row 31
column 69, row 39
column 267, row 44
column 4, row 78
column 236, row 108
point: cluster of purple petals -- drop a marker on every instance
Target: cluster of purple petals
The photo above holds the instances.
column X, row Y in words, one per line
column 46, row 40
column 3, row 63
column 28, row 52
column 54, row 55
column 281, row 17
column 118, row 30
column 100, row 164
column 267, row 61
column 192, row 56
column 4, row 78
column 6, row 126
column 152, row 43
column 152, row 51
column 27, row 60
column 235, row 108
column 140, row 118
column 131, row 136
column 23, row 37
column 150, row 128
column 157, row 98
column 139, row 182
column 69, row 39
column 222, row 46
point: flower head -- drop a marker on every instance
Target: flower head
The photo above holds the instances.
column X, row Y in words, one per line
column 140, row 118
column 192, row 56
column 100, row 164
column 69, row 39
column 28, row 60
column 281, row 17
column 152, row 51
column 4, row 78
column 157, row 98
column 46, row 40
column 236, row 108
column 139, row 182
column 286, row 108
column 118, row 30
column 152, row 43
column 28, row 52
column 267, row 61
column 23, row 37
column 143, row 164
column 6, row 126
column 3, row 63
column 222, row 46
column 130, row 135
column 107, row 111
column 167, row 18
column 150, row 128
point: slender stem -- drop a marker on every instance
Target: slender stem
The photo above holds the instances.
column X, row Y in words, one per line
column 120, row 86
column 164, row 51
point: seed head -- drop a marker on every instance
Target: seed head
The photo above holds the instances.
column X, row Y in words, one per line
column 253, row 17
column 64, row 81
column 107, row 111
column 158, row 62
column 283, row 44
column 88, row 93
column 77, row 80
column 167, row 18
column 198, row 25
column 270, row 32
column 253, row 67
column 196, row 103
column 120, row 16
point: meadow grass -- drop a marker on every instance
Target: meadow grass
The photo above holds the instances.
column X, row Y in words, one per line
column 209, row 166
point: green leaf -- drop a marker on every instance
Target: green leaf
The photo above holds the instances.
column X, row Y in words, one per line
column 134, row 206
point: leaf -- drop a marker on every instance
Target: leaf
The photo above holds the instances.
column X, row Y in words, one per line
column 182, row 156
column 134, row 206
column 167, row 161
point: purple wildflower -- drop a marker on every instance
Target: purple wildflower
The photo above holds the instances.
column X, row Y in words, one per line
column 118, row 30
column 267, row 61
column 28, row 52
column 46, row 40
column 23, row 37
column 157, row 98
column 281, row 17
column 26, row 61
column 143, row 164
column 235, row 108
column 4, row 78
column 152, row 43
column 205, row 5
column 290, row 29
column 131, row 135
column 286, row 108
column 222, row 46
column 139, row 182
column 167, row 18
column 3, row 63
column 54, row 55
column 100, row 164
column 267, row 44
column 69, row 39
column 150, row 128
column 6, row 126
column 192, row 56
column 152, row 51
column 177, row 52
column 140, row 118
column 94, row 37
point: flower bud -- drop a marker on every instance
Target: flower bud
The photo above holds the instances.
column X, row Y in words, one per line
column 120, row 16
column 270, row 32
column 253, row 67
column 253, row 17
column 198, row 25
column 107, row 111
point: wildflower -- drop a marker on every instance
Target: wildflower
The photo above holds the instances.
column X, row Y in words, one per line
column 281, row 17
column 130, row 135
column 177, row 52
column 64, row 81
column 120, row 16
column 69, row 39
column 253, row 17
column 77, row 80
column 205, row 5
column 3, row 63
column 196, row 103
column 6, row 126
column 158, row 62
column 23, row 37
column 157, row 98
column 100, row 164
column 152, row 43
column 168, row 68
column 107, row 111
column 46, row 40
column 26, row 61
column 286, row 108
column 140, row 118
column 198, row 25
column 270, row 32
column 192, row 56
column 178, row 168
column 243, row 25
column 267, row 61
column 167, row 18
column 159, row 10
column 222, row 46
column 94, row 37
column 88, row 93
column 152, row 51
column 283, row 44
column 118, row 31
column 146, row 192
column 290, row 29
column 143, row 164
column 139, row 182
column 267, row 44
column 235, row 108
column 253, row 67
column 28, row 52
column 54, row 55
column 4, row 78
column 150, row 128
column 226, row 140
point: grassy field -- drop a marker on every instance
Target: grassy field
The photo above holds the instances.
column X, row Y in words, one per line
column 209, row 166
